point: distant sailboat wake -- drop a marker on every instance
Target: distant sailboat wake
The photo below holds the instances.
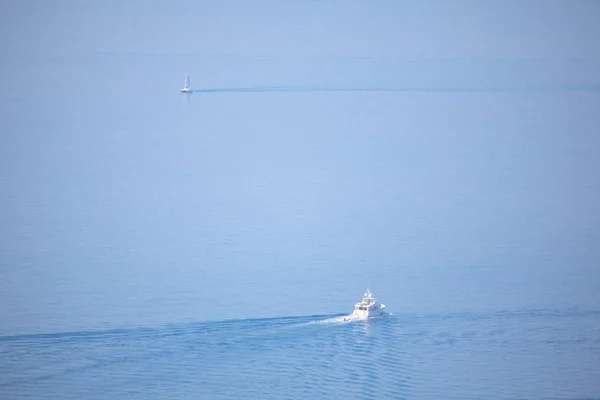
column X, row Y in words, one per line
column 273, row 89
column 262, row 89
column 266, row 89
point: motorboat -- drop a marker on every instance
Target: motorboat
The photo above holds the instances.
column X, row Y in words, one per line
column 367, row 307
column 187, row 86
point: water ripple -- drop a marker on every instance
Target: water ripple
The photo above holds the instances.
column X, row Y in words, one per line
column 407, row 356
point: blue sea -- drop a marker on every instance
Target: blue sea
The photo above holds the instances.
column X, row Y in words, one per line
column 507, row 354
column 158, row 245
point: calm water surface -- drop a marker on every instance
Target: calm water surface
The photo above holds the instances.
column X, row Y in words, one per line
column 157, row 245
column 520, row 354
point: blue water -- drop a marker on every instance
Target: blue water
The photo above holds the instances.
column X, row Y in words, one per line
column 516, row 354
column 160, row 245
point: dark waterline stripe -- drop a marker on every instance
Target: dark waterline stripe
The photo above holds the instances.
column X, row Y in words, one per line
column 320, row 89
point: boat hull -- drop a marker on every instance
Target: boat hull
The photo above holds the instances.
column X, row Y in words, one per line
column 364, row 314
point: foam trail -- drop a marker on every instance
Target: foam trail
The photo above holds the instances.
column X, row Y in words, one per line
column 334, row 320
column 345, row 319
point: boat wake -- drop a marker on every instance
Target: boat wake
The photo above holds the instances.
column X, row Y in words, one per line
column 337, row 320
column 346, row 319
column 443, row 89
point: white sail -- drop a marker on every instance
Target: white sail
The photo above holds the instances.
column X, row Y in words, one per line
column 187, row 86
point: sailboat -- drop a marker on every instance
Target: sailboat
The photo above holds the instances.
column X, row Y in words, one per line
column 187, row 87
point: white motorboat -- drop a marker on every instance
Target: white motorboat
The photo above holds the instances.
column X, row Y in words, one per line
column 367, row 307
column 187, row 86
